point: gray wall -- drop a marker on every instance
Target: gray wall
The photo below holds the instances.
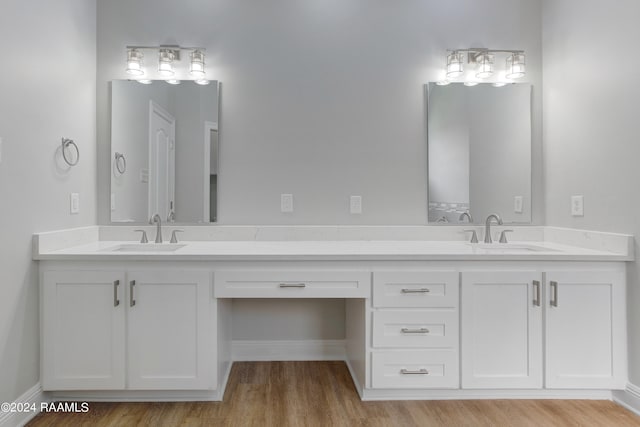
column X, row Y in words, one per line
column 591, row 125
column 47, row 91
column 321, row 98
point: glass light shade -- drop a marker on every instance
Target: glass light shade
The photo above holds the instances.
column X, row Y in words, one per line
column 202, row 82
column 134, row 62
column 499, row 84
column 516, row 66
column 165, row 63
column 144, row 81
column 173, row 81
column 443, row 82
column 470, row 83
column 485, row 66
column 454, row 65
column 197, row 64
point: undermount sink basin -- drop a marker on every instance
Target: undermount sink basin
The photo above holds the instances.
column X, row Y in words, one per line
column 146, row 247
column 509, row 247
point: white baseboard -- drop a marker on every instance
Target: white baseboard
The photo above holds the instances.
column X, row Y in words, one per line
column 467, row 394
column 254, row 351
column 32, row 397
column 629, row 398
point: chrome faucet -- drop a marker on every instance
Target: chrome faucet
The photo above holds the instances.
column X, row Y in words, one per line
column 487, row 226
column 157, row 220
column 468, row 215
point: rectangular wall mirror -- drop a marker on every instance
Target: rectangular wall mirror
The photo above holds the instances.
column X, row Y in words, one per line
column 479, row 148
column 164, row 151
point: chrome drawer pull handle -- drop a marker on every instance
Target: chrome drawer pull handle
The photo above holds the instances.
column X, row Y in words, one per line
column 415, row 331
column 132, row 300
column 116, row 301
column 536, row 287
column 418, row 372
column 415, row 291
column 293, row 285
column 554, row 294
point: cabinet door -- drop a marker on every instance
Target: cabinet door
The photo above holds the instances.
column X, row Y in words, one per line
column 83, row 331
column 585, row 329
column 501, row 329
column 168, row 330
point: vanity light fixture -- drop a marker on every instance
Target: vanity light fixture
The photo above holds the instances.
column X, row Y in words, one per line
column 134, row 62
column 516, row 66
column 165, row 62
column 169, row 67
column 482, row 61
column 197, row 64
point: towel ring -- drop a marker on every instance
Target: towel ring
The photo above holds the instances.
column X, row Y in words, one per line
column 121, row 166
column 66, row 142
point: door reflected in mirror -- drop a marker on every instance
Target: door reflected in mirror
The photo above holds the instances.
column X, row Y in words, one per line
column 164, row 151
column 479, row 149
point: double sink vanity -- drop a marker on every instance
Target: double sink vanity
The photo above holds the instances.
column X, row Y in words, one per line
column 428, row 315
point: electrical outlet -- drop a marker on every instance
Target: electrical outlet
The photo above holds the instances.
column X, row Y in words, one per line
column 355, row 204
column 74, row 202
column 286, row 203
column 577, row 205
column 517, row 204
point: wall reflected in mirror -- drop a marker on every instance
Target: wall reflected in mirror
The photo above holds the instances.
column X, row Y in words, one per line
column 164, row 151
column 479, row 148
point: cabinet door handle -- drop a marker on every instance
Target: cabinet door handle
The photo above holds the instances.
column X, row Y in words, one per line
column 132, row 301
column 554, row 293
column 116, row 301
column 414, row 331
column 415, row 291
column 536, row 289
column 417, row 372
column 293, row 285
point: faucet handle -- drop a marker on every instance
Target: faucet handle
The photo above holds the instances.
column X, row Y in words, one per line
column 503, row 236
column 174, row 238
column 143, row 238
column 474, row 235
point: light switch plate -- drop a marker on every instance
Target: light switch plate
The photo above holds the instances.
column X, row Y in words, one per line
column 74, row 201
column 144, row 176
column 577, row 205
column 517, row 204
column 355, row 205
column 286, row 203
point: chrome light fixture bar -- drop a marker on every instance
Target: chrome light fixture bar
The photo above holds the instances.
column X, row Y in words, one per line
column 482, row 62
column 168, row 59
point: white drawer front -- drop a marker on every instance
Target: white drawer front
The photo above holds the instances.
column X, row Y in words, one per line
column 415, row 369
column 292, row 284
column 415, row 288
column 415, row 329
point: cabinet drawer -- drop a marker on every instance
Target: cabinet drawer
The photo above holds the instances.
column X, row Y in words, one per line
column 415, row 369
column 415, row 289
column 415, row 329
column 292, row 284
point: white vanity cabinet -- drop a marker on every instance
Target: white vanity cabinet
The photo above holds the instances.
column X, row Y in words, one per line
column 501, row 329
column 583, row 344
column 134, row 330
column 83, row 330
column 415, row 330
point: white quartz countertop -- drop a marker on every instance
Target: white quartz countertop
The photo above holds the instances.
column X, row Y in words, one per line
column 343, row 250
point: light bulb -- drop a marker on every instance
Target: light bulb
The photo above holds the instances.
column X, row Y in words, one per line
column 485, row 66
column 165, row 63
column 454, row 65
column 197, row 64
column 134, row 62
column 516, row 66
